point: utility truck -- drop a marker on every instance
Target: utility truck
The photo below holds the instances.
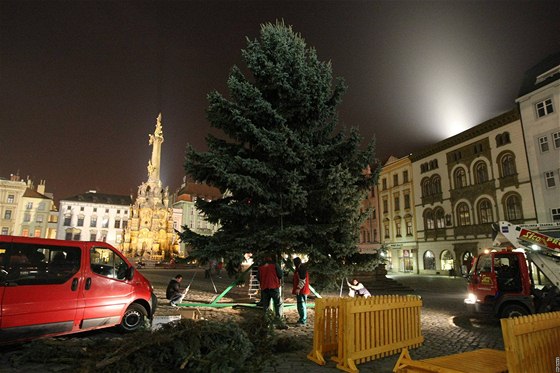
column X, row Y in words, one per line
column 520, row 275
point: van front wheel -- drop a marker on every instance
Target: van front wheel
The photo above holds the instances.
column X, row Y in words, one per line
column 134, row 318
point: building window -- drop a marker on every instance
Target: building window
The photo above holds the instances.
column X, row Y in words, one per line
column 29, row 205
column 447, row 260
column 384, row 183
column 397, row 203
column 117, row 223
column 502, row 139
column 106, row 211
column 440, row 218
column 549, row 179
column 556, row 140
column 27, row 217
column 463, row 214
column 426, row 190
column 39, row 219
column 37, row 232
column 555, row 214
column 80, row 221
column 436, row 184
column 429, row 261
column 409, row 227
column 93, row 236
column 544, row 108
column 407, row 201
column 543, row 144
column 105, row 222
column 481, row 172
column 82, row 208
column 67, row 220
column 93, row 222
column 95, row 209
column 11, row 198
column 508, row 165
column 41, row 206
column 460, row 178
column 68, row 208
column 68, row 236
column 398, row 228
column 395, row 179
column 513, row 208
column 429, row 220
column 386, row 229
column 77, row 236
column 405, row 176
column 8, row 214
column 125, row 224
column 5, row 231
column 485, row 212
column 385, row 206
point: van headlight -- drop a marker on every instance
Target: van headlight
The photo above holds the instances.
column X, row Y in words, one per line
column 471, row 299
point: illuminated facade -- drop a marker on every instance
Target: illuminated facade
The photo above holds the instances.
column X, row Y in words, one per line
column 150, row 232
column 465, row 183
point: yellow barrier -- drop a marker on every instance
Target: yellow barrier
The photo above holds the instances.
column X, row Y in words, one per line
column 325, row 331
column 532, row 343
column 360, row 329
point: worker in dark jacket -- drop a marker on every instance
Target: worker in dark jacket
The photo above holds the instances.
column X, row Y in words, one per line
column 174, row 292
column 301, row 290
column 270, row 278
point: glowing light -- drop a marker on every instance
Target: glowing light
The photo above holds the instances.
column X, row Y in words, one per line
column 471, row 299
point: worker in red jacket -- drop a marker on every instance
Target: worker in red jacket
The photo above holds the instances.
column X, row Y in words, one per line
column 270, row 279
column 301, row 290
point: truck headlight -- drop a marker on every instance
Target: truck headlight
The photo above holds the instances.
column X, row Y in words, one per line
column 471, row 299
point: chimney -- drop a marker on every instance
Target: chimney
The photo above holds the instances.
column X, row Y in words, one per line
column 41, row 187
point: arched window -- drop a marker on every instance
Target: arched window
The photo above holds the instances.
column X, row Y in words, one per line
column 508, row 165
column 485, row 212
column 426, row 187
column 513, row 208
column 446, row 260
column 481, row 172
column 429, row 219
column 429, row 260
column 460, row 178
column 463, row 214
column 436, row 184
column 440, row 218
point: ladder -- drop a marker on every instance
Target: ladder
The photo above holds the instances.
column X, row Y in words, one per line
column 254, row 285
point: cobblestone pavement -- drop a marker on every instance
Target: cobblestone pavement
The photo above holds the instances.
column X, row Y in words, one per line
column 445, row 326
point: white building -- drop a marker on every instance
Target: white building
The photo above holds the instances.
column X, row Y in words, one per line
column 539, row 103
column 94, row 216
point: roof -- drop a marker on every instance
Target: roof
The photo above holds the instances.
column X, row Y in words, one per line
column 530, row 83
column 30, row 193
column 101, row 198
column 199, row 190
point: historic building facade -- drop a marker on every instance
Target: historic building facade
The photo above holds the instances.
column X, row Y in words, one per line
column 191, row 217
column 465, row 183
column 93, row 216
column 539, row 103
column 26, row 211
column 150, row 233
column 396, row 204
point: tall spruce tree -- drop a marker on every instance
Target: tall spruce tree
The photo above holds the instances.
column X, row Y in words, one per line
column 293, row 183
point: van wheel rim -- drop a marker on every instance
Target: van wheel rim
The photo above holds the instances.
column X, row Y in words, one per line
column 132, row 319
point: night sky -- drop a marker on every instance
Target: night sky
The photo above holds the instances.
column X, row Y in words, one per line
column 82, row 82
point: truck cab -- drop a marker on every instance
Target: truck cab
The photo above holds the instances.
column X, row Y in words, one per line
column 519, row 280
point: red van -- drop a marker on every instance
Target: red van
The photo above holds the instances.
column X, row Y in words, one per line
column 54, row 287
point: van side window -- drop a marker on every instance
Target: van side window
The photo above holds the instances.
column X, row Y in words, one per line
column 106, row 262
column 34, row 264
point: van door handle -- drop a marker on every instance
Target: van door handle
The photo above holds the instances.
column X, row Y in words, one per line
column 88, row 283
column 75, row 284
